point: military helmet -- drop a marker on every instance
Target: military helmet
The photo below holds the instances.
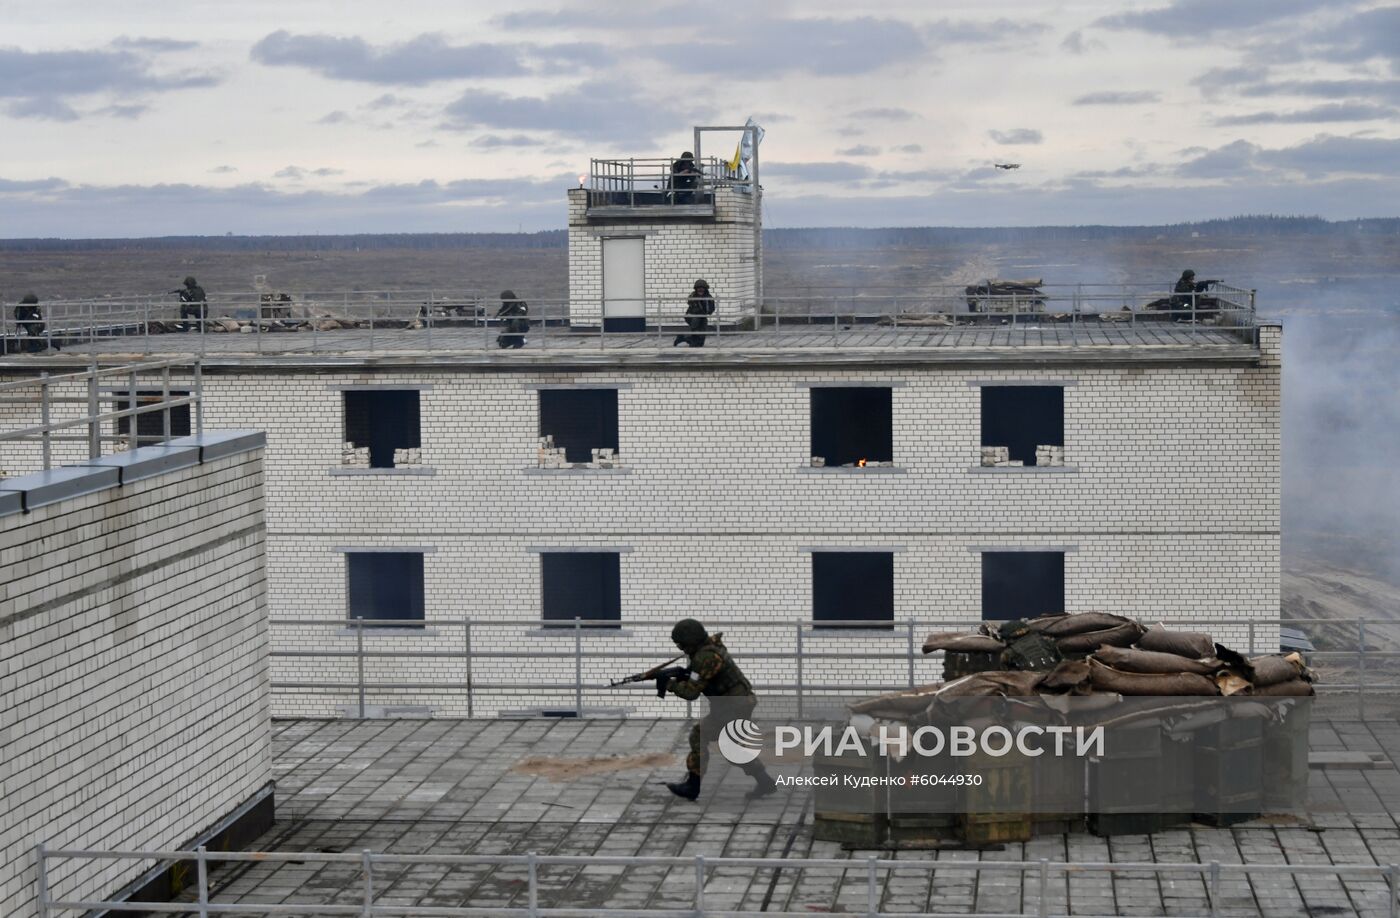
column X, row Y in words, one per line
column 702, row 284
column 688, row 635
column 29, row 299
column 191, row 282
column 508, row 295
column 1188, row 273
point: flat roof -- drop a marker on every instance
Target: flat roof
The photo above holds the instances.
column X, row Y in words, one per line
column 1057, row 342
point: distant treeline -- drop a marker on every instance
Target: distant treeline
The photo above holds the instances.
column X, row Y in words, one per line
column 796, row 238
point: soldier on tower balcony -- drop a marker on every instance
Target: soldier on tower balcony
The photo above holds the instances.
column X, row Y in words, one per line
column 514, row 311
column 30, row 319
column 698, row 309
column 193, row 303
column 685, row 178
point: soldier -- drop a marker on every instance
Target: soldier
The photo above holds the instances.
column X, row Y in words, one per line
column 31, row 323
column 193, row 303
column 684, row 178
column 513, row 310
column 1187, row 300
column 715, row 675
column 698, row 308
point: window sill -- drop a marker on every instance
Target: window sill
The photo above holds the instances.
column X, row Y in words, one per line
column 568, row 631
column 852, row 469
column 1024, row 469
column 401, row 470
column 388, row 631
column 536, row 470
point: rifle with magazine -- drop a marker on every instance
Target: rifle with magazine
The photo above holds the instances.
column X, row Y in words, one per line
column 662, row 673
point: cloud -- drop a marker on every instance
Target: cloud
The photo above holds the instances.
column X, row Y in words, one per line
column 297, row 173
column 769, row 47
column 1370, row 34
column 388, row 100
column 143, row 43
column 1119, row 97
column 128, row 111
column 223, row 169
column 1330, row 155
column 620, row 112
column 1348, row 111
column 1016, row 136
column 993, row 32
column 883, row 114
column 818, row 172
column 1229, row 161
column 45, row 84
column 339, row 116
column 1076, row 43
column 425, row 59
column 497, row 141
column 860, row 149
column 1185, row 18
column 909, row 148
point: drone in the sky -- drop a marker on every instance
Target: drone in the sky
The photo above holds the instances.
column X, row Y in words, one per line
column 1007, row 166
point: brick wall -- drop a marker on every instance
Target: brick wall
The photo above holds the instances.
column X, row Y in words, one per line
column 133, row 668
column 675, row 253
column 1169, row 510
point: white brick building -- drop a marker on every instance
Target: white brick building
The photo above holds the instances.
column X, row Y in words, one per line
column 133, row 663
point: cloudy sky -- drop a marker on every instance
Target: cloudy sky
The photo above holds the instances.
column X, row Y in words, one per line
column 163, row 117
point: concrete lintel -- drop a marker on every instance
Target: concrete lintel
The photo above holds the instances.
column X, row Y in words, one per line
column 218, row 444
column 147, row 461
column 379, row 387
column 1047, row 383
column 816, row 549
column 39, row 489
column 365, row 549
column 852, row 384
column 562, row 549
column 980, row 549
column 544, row 387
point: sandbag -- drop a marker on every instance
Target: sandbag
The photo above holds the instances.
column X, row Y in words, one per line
column 1041, row 622
column 1151, row 661
column 1069, row 676
column 1275, row 668
column 962, row 642
column 1193, row 644
column 1108, row 679
column 1293, row 687
column 897, row 705
column 1118, row 636
column 999, row 682
column 1231, row 683
column 1066, row 625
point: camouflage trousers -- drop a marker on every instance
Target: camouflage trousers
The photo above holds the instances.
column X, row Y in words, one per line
column 723, row 709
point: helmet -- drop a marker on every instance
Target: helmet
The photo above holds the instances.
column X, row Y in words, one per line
column 689, row 634
column 701, row 283
column 1013, row 629
column 687, row 155
column 190, row 281
column 29, row 299
column 1188, row 273
column 507, row 295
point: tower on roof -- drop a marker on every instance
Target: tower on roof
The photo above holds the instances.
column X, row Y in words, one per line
column 642, row 231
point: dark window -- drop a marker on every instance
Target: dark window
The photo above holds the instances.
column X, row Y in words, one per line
column 386, row 585
column 851, row 424
column 579, row 420
column 383, row 420
column 853, row 585
column 1022, row 584
column 580, row 584
column 150, row 428
column 1022, row 418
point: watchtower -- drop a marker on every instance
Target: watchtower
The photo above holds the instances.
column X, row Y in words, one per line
column 642, row 231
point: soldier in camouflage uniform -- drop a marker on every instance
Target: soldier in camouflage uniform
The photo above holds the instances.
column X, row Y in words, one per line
column 714, row 674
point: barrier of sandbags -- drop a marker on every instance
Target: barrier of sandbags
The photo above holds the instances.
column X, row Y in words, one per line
column 1190, row 644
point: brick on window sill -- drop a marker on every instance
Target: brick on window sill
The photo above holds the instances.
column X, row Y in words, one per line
column 853, row 469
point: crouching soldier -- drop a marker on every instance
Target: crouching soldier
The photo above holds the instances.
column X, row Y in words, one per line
column 714, row 674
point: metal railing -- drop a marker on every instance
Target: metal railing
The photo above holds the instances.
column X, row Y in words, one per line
column 1212, row 874
column 784, row 658
column 1068, row 315
column 143, row 388
column 656, row 182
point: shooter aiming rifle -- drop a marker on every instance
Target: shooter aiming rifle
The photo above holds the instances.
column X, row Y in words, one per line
column 662, row 673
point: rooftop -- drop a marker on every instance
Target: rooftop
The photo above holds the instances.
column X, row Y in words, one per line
column 979, row 324
column 508, row 787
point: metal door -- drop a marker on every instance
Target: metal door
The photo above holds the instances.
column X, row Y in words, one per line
column 624, row 285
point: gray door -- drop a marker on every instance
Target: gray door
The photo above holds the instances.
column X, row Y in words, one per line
column 624, row 286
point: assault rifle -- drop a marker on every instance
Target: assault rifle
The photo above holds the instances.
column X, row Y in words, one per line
column 662, row 673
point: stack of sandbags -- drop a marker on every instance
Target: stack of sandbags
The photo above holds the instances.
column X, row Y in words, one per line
column 1281, row 675
column 1077, row 635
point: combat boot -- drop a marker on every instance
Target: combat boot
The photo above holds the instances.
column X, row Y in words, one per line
column 763, row 782
column 689, row 789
